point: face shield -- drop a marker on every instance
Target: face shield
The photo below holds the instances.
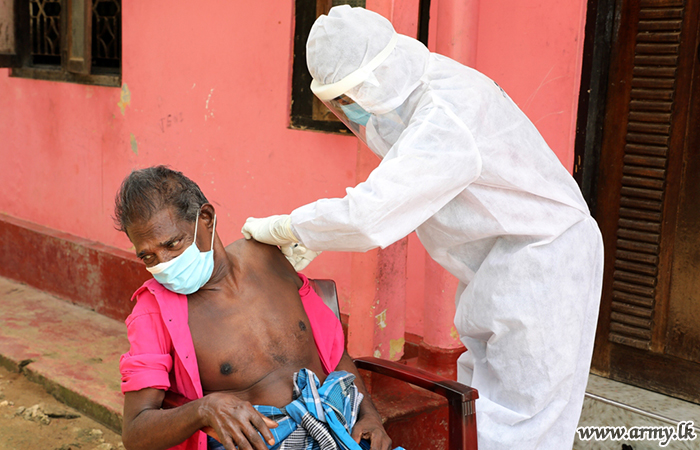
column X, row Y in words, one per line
column 378, row 131
column 350, row 113
column 361, row 122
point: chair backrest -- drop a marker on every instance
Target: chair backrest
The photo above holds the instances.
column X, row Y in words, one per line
column 461, row 399
column 327, row 291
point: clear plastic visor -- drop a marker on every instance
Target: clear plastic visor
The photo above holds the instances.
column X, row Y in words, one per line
column 350, row 113
column 370, row 128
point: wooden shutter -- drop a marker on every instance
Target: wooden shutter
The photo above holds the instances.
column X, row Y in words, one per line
column 79, row 36
column 13, row 37
column 649, row 324
column 637, row 249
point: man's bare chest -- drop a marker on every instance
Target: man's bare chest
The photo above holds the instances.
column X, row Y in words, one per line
column 250, row 340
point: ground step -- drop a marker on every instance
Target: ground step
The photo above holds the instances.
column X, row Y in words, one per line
column 72, row 351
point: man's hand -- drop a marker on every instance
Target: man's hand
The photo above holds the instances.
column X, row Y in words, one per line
column 236, row 422
column 369, row 422
column 369, row 426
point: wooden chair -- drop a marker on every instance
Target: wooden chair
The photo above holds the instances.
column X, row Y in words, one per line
column 460, row 398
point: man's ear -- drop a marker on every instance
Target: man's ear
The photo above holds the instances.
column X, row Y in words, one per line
column 207, row 213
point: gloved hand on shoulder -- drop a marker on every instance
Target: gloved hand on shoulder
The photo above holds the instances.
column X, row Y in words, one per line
column 273, row 230
column 277, row 230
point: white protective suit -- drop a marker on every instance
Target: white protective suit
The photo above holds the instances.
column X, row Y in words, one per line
column 491, row 203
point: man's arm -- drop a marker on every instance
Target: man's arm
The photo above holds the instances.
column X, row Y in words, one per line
column 369, row 422
column 148, row 427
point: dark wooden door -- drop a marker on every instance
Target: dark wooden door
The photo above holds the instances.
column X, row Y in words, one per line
column 649, row 200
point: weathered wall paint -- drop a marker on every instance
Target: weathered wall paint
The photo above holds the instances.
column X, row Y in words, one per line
column 206, row 90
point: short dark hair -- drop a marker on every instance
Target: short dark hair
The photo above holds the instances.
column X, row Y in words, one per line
column 146, row 191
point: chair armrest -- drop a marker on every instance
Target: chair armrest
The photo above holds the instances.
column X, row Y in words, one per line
column 460, row 398
column 435, row 383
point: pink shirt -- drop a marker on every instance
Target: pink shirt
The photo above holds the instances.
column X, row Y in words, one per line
column 162, row 354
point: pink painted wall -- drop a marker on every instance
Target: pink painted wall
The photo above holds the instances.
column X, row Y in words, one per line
column 207, row 91
column 534, row 49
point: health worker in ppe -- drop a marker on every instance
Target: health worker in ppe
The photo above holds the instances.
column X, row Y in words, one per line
column 465, row 168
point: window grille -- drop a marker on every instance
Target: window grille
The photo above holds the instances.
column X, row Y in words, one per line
column 45, row 31
column 307, row 111
column 106, row 33
column 77, row 41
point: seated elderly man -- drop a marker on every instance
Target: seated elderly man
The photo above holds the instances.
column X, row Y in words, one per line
column 227, row 328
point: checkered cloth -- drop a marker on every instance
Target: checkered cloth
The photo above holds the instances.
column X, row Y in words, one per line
column 319, row 417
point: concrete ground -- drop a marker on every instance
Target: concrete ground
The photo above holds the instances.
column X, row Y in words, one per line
column 73, row 352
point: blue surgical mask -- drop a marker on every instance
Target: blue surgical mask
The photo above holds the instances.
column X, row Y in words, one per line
column 190, row 270
column 355, row 113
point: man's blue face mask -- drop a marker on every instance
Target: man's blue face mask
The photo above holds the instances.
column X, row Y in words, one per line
column 190, row 270
column 355, row 113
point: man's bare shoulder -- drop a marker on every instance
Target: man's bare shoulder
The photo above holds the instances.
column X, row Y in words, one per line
column 245, row 246
column 251, row 253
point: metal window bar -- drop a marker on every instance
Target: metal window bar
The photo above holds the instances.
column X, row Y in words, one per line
column 45, row 31
column 106, row 33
